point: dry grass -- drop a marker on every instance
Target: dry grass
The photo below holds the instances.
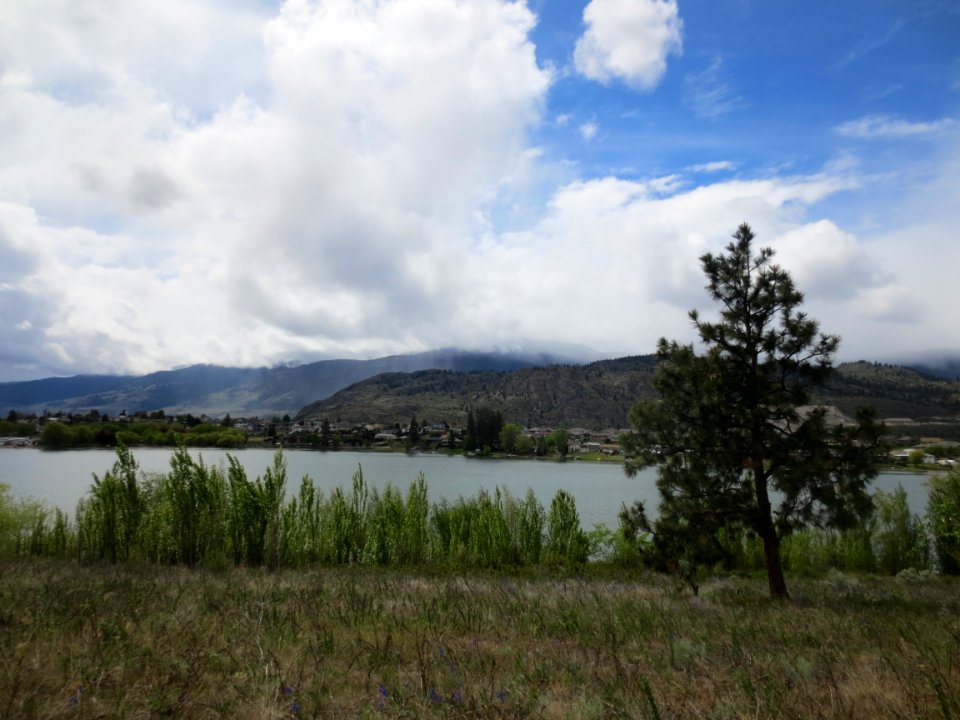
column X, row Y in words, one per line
column 147, row 641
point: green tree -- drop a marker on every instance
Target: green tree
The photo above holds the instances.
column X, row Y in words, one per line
column 524, row 445
column 56, row 435
column 413, row 434
column 561, row 441
column 487, row 424
column 510, row 435
column 470, row 434
column 734, row 445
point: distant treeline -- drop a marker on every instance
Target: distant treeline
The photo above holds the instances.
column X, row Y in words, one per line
column 57, row 435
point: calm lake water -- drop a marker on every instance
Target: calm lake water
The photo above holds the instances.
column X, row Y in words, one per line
column 61, row 478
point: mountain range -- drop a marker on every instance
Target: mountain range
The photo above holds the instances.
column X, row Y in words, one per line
column 217, row 390
column 533, row 389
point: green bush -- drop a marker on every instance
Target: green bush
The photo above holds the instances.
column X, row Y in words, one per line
column 900, row 539
column 943, row 514
column 566, row 540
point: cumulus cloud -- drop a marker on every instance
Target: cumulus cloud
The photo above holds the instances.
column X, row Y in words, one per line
column 629, row 40
column 888, row 126
column 827, row 262
column 619, row 260
column 323, row 215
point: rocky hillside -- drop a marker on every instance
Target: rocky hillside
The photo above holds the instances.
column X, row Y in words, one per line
column 895, row 392
column 599, row 395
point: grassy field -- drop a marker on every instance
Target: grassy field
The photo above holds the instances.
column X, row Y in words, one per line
column 138, row 641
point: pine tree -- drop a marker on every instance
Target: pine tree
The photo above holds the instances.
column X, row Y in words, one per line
column 733, row 434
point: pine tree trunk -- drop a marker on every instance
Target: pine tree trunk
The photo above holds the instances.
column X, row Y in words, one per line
column 768, row 533
column 771, row 551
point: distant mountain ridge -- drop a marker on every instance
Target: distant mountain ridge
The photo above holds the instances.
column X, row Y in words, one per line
column 599, row 395
column 217, row 390
column 596, row 395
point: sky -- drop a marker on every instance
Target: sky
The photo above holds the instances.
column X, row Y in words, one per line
column 251, row 182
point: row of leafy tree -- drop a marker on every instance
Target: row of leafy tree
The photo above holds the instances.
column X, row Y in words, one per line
column 57, row 435
column 214, row 515
column 486, row 432
column 197, row 513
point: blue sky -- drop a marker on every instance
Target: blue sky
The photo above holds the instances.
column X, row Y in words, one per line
column 249, row 183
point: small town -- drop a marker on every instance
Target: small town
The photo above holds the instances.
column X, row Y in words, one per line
column 60, row 430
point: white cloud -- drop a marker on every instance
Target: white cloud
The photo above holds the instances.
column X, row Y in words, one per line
column 628, row 40
column 887, row 126
column 712, row 167
column 588, row 130
column 196, row 55
column 615, row 264
column 330, row 220
column 870, row 44
column 828, row 263
column 708, row 93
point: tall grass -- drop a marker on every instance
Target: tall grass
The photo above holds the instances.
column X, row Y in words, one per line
column 112, row 641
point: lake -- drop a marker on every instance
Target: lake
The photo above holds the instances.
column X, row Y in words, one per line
column 61, row 478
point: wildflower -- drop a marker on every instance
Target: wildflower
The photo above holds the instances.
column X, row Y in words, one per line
column 288, row 691
column 294, row 708
column 435, row 697
column 382, row 689
column 502, row 695
column 457, row 696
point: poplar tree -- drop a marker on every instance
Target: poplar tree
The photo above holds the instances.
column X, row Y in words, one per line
column 736, row 441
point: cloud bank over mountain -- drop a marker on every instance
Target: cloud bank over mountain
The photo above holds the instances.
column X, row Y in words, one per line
column 247, row 183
